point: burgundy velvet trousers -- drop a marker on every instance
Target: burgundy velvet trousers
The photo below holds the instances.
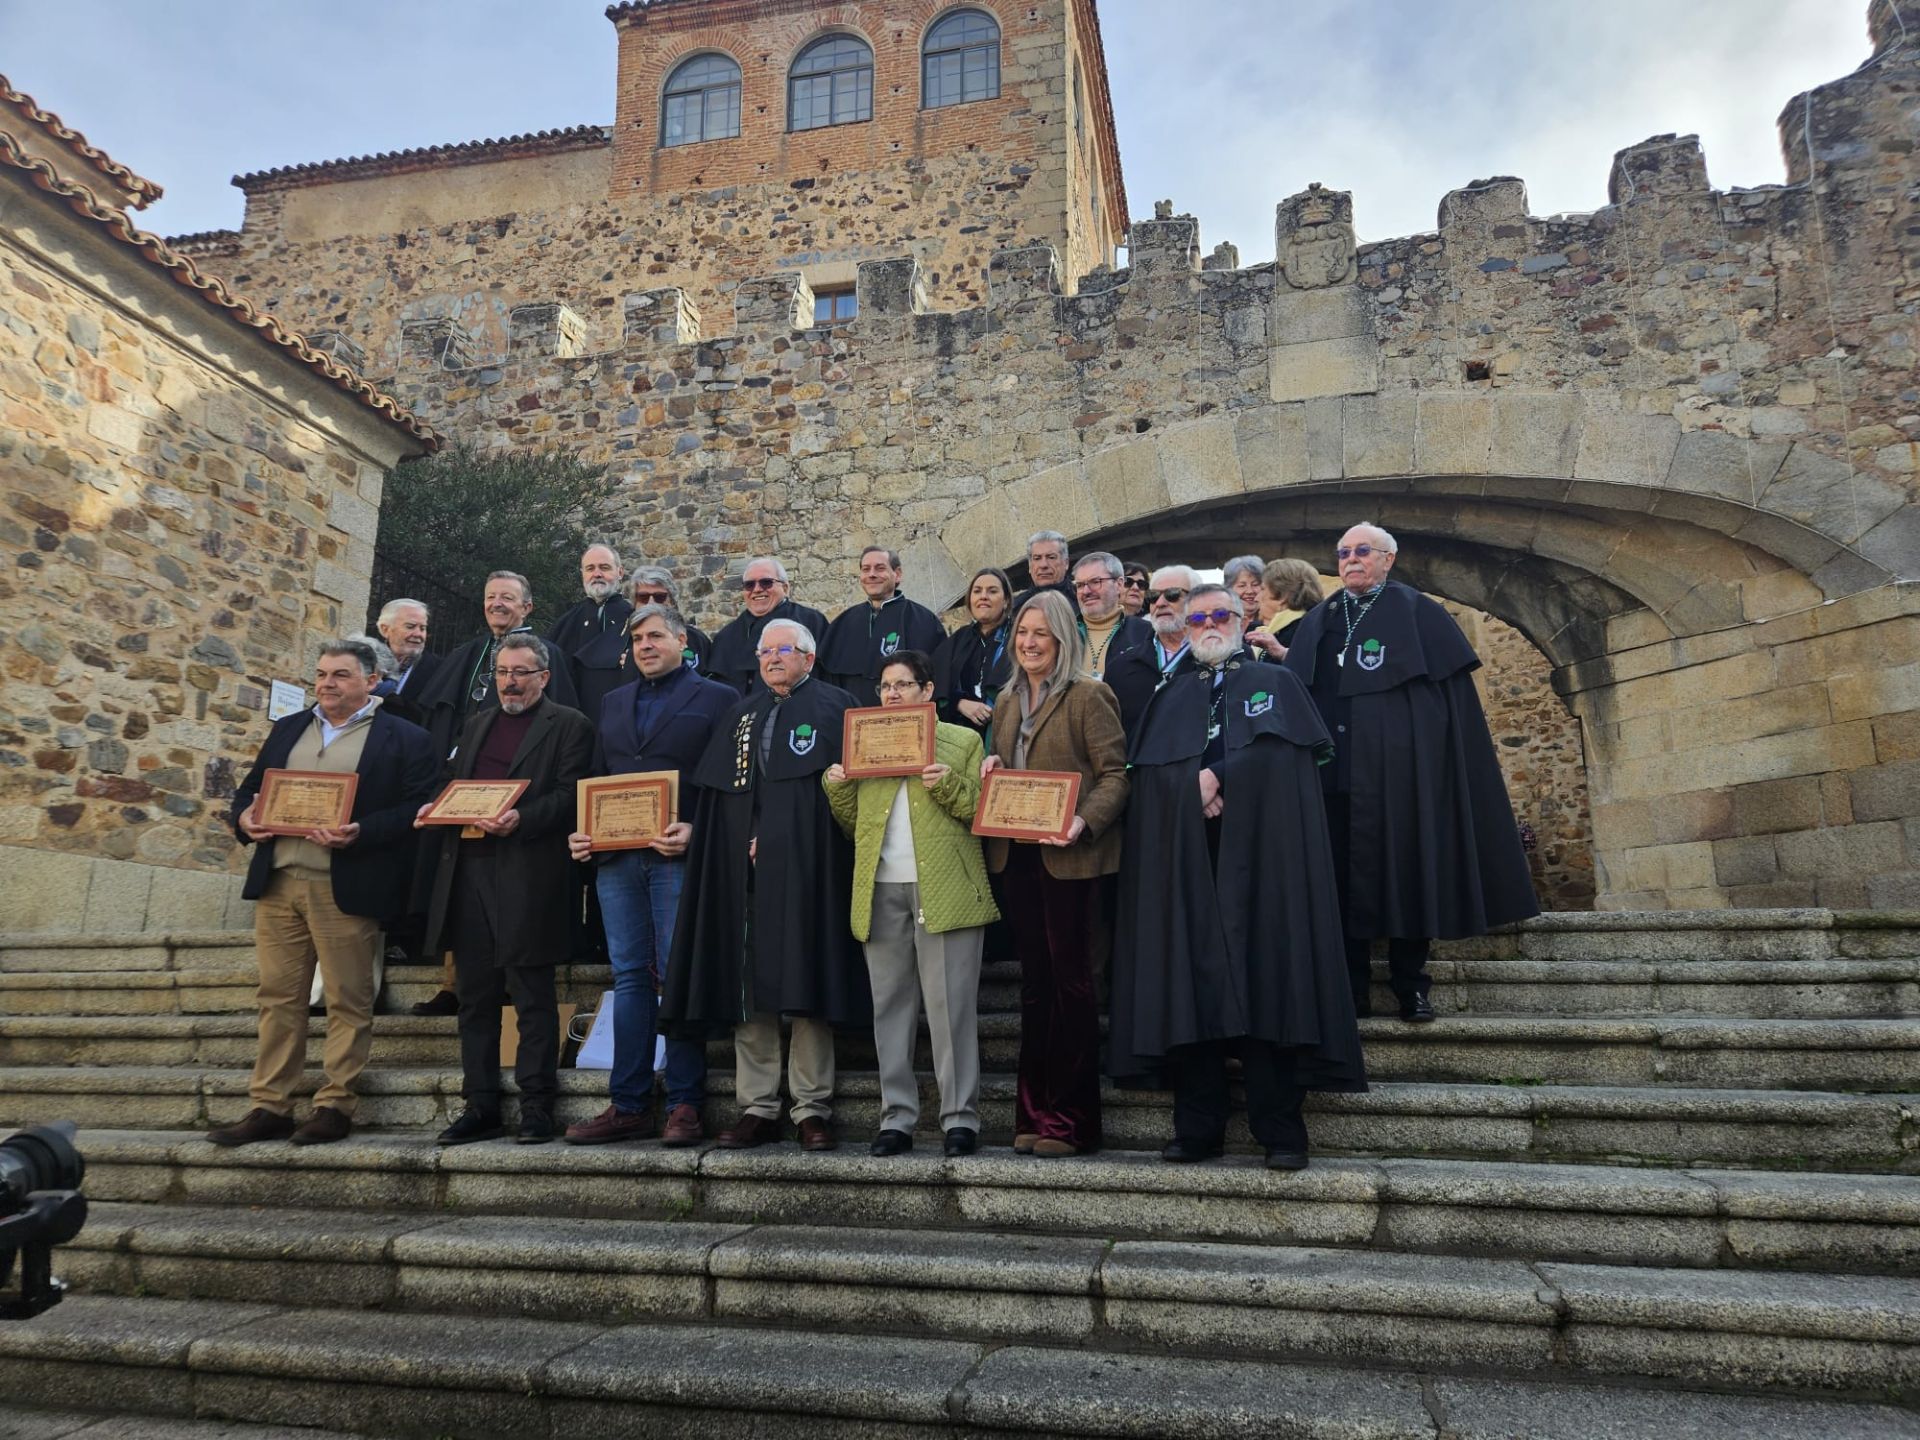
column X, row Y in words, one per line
column 1057, row 928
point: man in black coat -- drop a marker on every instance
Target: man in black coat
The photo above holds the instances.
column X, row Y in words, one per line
column 403, row 625
column 1424, row 842
column 766, row 594
column 323, row 896
column 1110, row 632
column 1228, row 940
column 863, row 637
column 1047, row 569
column 592, row 635
column 763, row 927
column 1136, row 673
column 500, row 897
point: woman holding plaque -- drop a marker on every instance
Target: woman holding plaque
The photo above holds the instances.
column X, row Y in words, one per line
column 1051, row 717
column 920, row 906
column 972, row 663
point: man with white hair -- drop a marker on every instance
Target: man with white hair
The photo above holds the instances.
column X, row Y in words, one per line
column 766, row 595
column 403, row 623
column 1424, row 842
column 763, row 930
column 1049, row 567
column 1226, row 804
column 1134, row 676
column 590, row 637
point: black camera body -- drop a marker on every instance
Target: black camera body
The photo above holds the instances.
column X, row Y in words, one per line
column 40, row 1207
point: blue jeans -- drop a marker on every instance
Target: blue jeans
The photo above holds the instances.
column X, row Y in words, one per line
column 639, row 897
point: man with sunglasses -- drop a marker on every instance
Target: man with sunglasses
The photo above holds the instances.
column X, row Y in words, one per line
column 1226, row 806
column 1424, row 842
column 764, row 590
column 1134, row 676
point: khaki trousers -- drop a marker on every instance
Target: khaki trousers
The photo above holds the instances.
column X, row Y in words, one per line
column 296, row 925
column 756, row 1067
column 906, row 965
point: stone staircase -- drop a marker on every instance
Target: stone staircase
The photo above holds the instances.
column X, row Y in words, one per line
column 1648, row 1173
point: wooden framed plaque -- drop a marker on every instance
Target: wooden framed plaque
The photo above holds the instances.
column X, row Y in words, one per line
column 627, row 812
column 292, row 802
column 884, row 740
column 1027, row 804
column 467, row 802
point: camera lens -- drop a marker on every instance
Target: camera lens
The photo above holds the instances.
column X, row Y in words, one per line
column 42, row 1157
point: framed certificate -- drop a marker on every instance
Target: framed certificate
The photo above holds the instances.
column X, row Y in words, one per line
column 887, row 740
column 292, row 802
column 466, row 802
column 626, row 812
column 1027, row 804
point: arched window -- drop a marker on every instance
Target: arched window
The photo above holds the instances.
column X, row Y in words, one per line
column 830, row 84
column 962, row 60
column 702, row 101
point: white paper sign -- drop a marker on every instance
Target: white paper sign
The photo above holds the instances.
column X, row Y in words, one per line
column 285, row 700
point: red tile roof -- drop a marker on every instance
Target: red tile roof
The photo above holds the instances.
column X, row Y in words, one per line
column 143, row 192
column 428, row 157
column 118, row 224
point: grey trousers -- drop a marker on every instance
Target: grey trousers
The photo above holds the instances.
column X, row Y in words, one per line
column 908, row 965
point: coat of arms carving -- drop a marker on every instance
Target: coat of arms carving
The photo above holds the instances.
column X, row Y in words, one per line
column 1314, row 235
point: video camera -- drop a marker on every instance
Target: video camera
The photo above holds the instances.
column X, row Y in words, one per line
column 40, row 1207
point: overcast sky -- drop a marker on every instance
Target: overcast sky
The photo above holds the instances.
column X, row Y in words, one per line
column 1224, row 106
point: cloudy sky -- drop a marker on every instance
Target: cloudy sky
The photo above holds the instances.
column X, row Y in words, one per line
column 1224, row 106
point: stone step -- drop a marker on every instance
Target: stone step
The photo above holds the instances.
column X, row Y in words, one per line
column 1874, row 1055
column 1633, row 1125
column 23, row 1424
column 526, row 1377
column 1602, row 1214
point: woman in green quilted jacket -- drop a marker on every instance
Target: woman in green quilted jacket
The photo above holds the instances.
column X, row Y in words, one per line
column 921, row 906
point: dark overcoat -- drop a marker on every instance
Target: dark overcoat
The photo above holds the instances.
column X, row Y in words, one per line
column 733, row 661
column 861, row 639
column 591, row 640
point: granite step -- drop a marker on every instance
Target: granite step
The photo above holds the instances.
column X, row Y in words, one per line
column 1601, row 1214
column 1626, row 1124
column 19, row 1423
column 385, row 1373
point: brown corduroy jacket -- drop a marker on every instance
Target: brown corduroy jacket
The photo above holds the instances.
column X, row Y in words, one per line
column 1079, row 730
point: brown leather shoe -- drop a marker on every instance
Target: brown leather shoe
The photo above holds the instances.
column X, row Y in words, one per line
column 683, row 1128
column 610, row 1125
column 748, row 1131
column 815, row 1135
column 256, row 1124
column 323, row 1127
column 1049, row 1148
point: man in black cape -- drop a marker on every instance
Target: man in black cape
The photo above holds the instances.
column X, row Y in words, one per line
column 763, row 927
column 765, row 588
column 863, row 637
column 591, row 638
column 1424, row 842
column 1228, row 937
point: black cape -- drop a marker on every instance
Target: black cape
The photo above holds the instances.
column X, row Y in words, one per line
column 1247, row 944
column 732, row 659
column 447, row 701
column 861, row 638
column 593, row 638
column 971, row 666
column 785, row 945
column 1434, row 852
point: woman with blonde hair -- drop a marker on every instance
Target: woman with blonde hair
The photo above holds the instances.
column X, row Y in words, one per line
column 1288, row 589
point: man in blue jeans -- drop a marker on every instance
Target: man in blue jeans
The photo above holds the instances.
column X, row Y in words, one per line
column 662, row 721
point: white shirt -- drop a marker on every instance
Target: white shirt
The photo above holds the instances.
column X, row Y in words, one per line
column 897, row 863
column 329, row 732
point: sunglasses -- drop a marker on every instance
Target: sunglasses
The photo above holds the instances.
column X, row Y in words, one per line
column 1134, row 582
column 758, row 584
column 652, row 597
column 1154, row 596
column 768, row 651
column 1200, row 619
column 1354, row 552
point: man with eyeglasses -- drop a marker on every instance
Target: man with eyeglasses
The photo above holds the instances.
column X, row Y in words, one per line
column 591, row 637
column 1134, row 676
column 765, row 594
column 1424, row 842
column 1110, row 632
column 763, row 931
column 500, row 890
column 654, row 585
column 1225, row 812
column 863, row 637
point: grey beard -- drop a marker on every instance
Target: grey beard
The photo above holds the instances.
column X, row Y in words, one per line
column 599, row 590
column 514, row 707
column 1213, row 649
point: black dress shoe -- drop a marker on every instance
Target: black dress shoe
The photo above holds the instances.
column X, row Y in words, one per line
column 444, row 1003
column 1418, row 1011
column 1187, row 1152
column 471, row 1126
column 1286, row 1159
column 892, row 1142
column 961, row 1141
column 536, row 1128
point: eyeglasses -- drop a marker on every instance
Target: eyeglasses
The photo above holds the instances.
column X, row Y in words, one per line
column 652, row 597
column 1093, row 584
column 1176, row 596
column 899, row 687
column 1200, row 619
column 767, row 651
column 760, row 584
column 499, row 674
column 1354, row 552
column 1134, row 582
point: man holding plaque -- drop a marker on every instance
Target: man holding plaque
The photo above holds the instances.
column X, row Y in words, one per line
column 322, row 894
column 1424, row 843
column 863, row 637
column 660, row 723
column 763, row 930
column 500, row 890
column 765, row 591
column 1207, row 962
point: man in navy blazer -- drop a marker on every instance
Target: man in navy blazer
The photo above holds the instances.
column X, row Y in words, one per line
column 323, row 896
column 662, row 721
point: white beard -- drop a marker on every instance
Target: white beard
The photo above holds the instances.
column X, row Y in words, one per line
column 1213, row 647
column 599, row 590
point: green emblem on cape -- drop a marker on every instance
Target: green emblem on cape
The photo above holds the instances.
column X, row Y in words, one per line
column 890, row 642
column 1372, row 655
column 1259, row 703
column 801, row 740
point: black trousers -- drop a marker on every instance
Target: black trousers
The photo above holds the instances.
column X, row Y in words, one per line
column 482, row 984
column 1406, row 957
column 1198, row 1074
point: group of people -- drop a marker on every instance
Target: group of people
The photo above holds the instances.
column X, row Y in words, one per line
column 1269, row 783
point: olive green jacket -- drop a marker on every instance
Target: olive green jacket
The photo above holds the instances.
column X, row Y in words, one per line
column 953, row 875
